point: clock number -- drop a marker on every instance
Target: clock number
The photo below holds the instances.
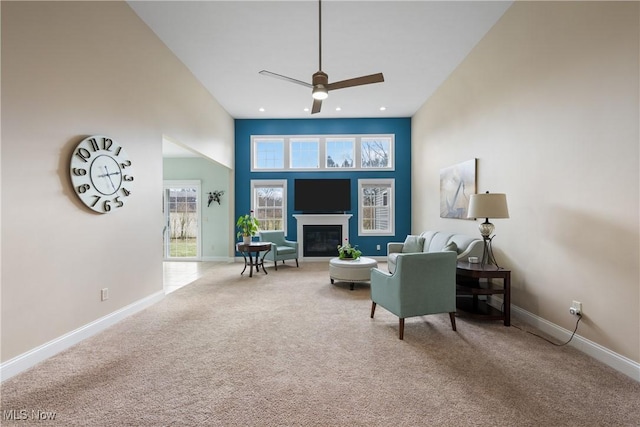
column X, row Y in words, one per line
column 125, row 191
column 95, row 202
column 125, row 164
column 83, row 188
column 94, row 144
column 107, row 143
column 127, row 178
column 106, row 206
column 79, row 172
column 118, row 202
column 118, row 151
column 83, row 154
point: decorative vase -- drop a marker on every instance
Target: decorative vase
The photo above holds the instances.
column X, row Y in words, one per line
column 246, row 240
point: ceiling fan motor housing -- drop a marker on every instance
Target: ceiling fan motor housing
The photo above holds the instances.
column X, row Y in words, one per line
column 320, row 78
column 320, row 83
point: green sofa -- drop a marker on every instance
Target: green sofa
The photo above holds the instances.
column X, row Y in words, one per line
column 435, row 241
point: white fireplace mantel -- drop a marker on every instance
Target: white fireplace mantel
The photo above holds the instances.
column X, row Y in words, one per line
column 320, row 219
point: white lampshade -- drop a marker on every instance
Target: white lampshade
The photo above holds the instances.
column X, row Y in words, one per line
column 488, row 205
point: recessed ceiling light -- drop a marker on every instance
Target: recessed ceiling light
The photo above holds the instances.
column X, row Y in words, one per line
column 338, row 109
column 261, row 109
column 383, row 108
column 306, row 108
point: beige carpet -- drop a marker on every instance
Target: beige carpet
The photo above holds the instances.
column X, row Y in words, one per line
column 289, row 348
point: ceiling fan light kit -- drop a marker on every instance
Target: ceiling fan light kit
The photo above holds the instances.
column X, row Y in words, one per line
column 320, row 80
column 320, row 92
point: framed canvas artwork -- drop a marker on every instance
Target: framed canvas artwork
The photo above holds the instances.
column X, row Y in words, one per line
column 457, row 183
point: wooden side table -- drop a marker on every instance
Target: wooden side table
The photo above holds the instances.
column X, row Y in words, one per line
column 468, row 285
column 253, row 248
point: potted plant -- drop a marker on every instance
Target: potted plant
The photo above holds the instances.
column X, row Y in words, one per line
column 247, row 227
column 346, row 251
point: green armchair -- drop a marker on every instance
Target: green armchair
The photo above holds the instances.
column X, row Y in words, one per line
column 423, row 283
column 281, row 249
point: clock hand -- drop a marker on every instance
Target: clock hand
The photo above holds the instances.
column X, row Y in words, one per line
column 106, row 169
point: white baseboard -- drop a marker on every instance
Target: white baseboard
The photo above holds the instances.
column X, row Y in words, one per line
column 614, row 360
column 29, row 359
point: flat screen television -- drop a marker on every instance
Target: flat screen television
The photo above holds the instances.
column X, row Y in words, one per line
column 322, row 195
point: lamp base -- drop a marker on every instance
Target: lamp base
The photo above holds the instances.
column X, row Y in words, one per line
column 487, row 253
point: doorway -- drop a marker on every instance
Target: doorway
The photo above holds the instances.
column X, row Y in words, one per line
column 181, row 208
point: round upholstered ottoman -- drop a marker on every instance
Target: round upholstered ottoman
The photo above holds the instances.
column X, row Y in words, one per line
column 351, row 271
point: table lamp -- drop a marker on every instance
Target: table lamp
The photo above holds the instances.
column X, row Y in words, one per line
column 488, row 205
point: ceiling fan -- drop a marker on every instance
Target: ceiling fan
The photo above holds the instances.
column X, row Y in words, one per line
column 320, row 80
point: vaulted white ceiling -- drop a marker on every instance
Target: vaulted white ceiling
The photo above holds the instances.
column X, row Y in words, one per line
column 416, row 44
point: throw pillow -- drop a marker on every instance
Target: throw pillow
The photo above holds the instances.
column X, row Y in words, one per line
column 451, row 247
column 413, row 244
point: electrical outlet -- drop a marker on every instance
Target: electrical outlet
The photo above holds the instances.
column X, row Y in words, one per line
column 104, row 294
column 378, row 247
column 576, row 308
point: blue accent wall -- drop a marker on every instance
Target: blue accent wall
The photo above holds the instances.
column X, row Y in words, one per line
column 400, row 127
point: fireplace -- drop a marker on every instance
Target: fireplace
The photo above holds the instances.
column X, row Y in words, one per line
column 321, row 240
column 340, row 221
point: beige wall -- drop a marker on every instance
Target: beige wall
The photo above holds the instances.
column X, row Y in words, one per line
column 548, row 104
column 72, row 69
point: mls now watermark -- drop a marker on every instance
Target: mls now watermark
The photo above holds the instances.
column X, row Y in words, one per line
column 25, row 414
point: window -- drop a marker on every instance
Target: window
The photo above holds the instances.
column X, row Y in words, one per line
column 376, row 152
column 332, row 153
column 268, row 153
column 268, row 203
column 304, row 154
column 340, row 152
column 376, row 206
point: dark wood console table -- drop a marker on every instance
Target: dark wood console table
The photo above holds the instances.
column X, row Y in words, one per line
column 253, row 248
column 469, row 287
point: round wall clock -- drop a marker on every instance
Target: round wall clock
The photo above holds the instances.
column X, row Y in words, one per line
column 101, row 173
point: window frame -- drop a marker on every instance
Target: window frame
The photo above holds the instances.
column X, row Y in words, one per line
column 390, row 153
column 254, row 152
column 377, row 182
column 322, row 152
column 303, row 140
column 271, row 183
column 335, row 139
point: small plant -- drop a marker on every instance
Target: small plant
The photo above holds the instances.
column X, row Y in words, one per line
column 346, row 251
column 247, row 225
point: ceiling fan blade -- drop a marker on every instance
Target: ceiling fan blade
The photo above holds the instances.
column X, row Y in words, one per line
column 317, row 104
column 358, row 81
column 285, row 78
